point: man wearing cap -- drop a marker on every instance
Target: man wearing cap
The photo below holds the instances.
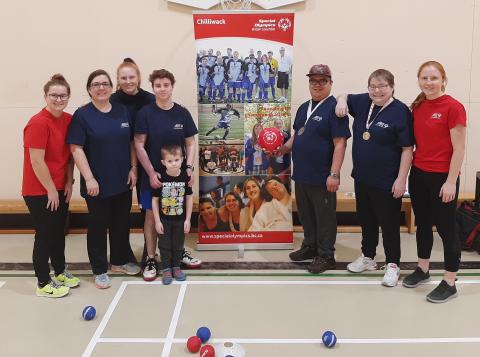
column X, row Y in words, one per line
column 284, row 69
column 318, row 148
column 274, row 65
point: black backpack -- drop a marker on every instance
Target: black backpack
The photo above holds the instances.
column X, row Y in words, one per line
column 468, row 226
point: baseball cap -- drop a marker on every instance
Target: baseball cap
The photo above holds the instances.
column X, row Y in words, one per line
column 321, row 70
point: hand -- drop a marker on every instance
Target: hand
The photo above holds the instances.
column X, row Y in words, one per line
column 191, row 176
column 332, row 184
column 186, row 226
column 398, row 188
column 132, row 177
column 92, row 187
column 159, row 227
column 68, row 191
column 341, row 109
column 283, row 150
column 155, row 180
column 53, row 200
column 447, row 192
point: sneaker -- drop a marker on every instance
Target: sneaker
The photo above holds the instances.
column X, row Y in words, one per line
column 102, row 281
column 416, row 278
column 150, row 271
column 361, row 264
column 391, row 276
column 167, row 276
column 178, row 274
column 67, row 279
column 190, row 262
column 321, row 264
column 53, row 290
column 442, row 293
column 304, row 253
column 128, row 268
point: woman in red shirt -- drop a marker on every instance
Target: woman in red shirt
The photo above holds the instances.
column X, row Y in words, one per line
column 439, row 123
column 47, row 187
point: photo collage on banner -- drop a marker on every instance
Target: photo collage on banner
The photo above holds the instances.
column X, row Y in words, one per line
column 244, row 74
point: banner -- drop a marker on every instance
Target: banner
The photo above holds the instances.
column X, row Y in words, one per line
column 244, row 73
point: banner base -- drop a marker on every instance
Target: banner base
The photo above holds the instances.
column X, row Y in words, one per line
column 246, row 246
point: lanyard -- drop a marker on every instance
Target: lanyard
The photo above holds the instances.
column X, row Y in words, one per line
column 310, row 110
column 369, row 123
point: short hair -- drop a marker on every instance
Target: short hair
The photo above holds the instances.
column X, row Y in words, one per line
column 172, row 149
column 96, row 73
column 161, row 73
column 384, row 74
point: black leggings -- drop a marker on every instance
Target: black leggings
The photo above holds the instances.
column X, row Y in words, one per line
column 429, row 210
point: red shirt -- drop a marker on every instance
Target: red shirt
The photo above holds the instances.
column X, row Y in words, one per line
column 46, row 132
column 432, row 121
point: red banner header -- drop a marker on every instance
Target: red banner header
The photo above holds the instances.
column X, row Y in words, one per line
column 268, row 26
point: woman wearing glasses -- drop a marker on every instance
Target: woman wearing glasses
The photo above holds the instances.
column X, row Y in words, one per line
column 382, row 155
column 47, row 187
column 101, row 143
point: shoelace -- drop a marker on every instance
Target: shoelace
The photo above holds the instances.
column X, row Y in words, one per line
column 188, row 255
column 54, row 284
column 68, row 274
column 150, row 264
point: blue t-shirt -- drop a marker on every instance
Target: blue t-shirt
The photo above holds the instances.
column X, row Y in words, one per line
column 376, row 161
column 133, row 102
column 106, row 139
column 163, row 127
column 312, row 151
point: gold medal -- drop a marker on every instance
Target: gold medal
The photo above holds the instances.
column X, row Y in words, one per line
column 301, row 130
column 366, row 135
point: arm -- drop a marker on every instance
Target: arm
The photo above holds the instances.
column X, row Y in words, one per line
column 449, row 188
column 132, row 175
column 69, row 182
column 82, row 163
column 342, row 108
column 287, row 147
column 399, row 186
column 40, row 168
column 142, row 156
column 156, row 215
column 188, row 213
column 191, row 145
column 340, row 145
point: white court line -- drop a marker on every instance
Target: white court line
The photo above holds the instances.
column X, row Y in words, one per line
column 173, row 323
column 131, row 340
column 285, row 282
column 103, row 323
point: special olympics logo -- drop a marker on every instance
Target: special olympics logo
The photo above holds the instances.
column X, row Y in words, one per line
column 284, row 24
column 270, row 137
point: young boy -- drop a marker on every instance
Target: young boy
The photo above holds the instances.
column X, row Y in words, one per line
column 172, row 206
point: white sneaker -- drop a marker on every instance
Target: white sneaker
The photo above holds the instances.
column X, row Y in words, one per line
column 391, row 276
column 150, row 271
column 362, row 263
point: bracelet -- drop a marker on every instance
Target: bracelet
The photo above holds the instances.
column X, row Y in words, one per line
column 335, row 175
column 133, row 167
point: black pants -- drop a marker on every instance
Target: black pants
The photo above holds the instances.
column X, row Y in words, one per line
column 378, row 208
column 49, row 236
column 317, row 213
column 429, row 210
column 171, row 242
column 112, row 214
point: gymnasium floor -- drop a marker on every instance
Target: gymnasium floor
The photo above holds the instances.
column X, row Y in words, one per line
column 271, row 312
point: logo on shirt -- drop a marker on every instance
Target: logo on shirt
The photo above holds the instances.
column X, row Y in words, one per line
column 125, row 125
column 382, row 125
column 178, row 127
column 436, row 116
column 317, row 118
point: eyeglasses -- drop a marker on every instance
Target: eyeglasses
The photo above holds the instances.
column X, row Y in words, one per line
column 54, row 96
column 97, row 85
column 379, row 87
column 320, row 82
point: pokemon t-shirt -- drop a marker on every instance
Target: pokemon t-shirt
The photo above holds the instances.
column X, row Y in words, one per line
column 172, row 195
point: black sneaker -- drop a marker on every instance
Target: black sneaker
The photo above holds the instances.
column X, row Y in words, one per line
column 304, row 253
column 416, row 278
column 442, row 293
column 320, row 264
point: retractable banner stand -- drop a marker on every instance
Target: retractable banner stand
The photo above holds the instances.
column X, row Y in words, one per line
column 244, row 73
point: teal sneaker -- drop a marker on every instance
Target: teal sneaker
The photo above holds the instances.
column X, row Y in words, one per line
column 67, row 279
column 53, row 290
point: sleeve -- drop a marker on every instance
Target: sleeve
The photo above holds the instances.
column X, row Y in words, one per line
column 190, row 129
column 457, row 115
column 339, row 126
column 249, row 149
column 77, row 133
column 141, row 126
column 405, row 129
column 35, row 136
column 297, row 124
column 353, row 101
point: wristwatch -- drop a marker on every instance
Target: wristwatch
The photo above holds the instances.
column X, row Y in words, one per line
column 191, row 167
column 335, row 175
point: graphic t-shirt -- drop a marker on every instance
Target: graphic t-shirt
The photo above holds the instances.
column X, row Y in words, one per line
column 172, row 195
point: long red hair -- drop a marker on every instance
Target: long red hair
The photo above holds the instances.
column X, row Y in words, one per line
column 421, row 97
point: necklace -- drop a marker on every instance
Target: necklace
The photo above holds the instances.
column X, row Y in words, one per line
column 366, row 134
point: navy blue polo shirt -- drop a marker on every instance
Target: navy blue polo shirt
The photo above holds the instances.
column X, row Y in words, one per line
column 376, row 161
column 163, row 127
column 312, row 151
column 106, row 139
